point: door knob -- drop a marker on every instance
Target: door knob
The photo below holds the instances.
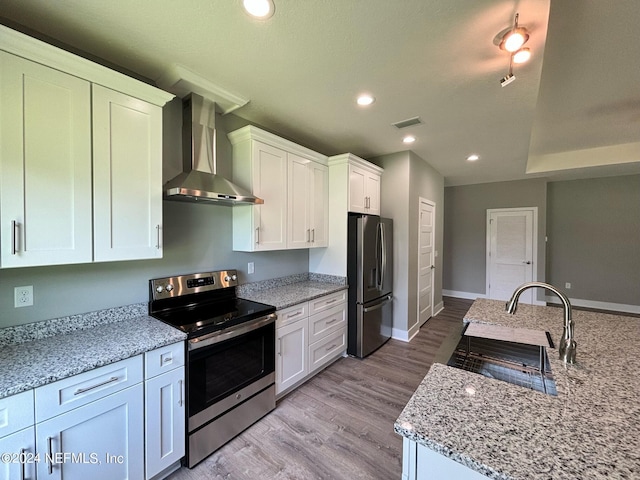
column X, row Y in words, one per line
column 527, row 262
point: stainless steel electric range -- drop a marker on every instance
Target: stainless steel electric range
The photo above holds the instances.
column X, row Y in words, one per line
column 230, row 372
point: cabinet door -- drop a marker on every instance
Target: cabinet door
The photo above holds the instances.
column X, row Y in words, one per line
column 127, row 177
column 164, row 421
column 299, row 200
column 103, row 440
column 373, row 194
column 270, row 184
column 319, row 205
column 357, row 190
column 22, row 448
column 45, row 165
column 291, row 365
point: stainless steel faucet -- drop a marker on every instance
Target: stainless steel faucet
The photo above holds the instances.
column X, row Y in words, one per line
column 567, row 346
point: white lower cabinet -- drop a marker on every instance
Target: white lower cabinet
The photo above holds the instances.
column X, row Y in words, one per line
column 422, row 463
column 21, row 447
column 309, row 336
column 101, row 440
column 121, row 421
column 164, row 423
column 291, row 363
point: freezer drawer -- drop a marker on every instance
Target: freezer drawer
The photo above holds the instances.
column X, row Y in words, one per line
column 372, row 326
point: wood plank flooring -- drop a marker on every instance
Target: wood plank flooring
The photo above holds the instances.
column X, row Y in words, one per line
column 338, row 425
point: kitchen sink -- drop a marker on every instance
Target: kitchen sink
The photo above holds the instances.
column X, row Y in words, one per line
column 516, row 363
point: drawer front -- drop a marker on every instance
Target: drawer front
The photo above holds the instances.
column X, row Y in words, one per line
column 69, row 393
column 328, row 301
column 163, row 359
column 292, row 314
column 16, row 413
column 327, row 322
column 322, row 352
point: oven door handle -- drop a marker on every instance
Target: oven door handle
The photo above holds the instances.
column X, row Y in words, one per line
column 223, row 335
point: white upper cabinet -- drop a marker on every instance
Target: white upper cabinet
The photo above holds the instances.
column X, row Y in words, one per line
column 127, row 177
column 293, row 182
column 364, row 187
column 45, row 165
column 319, row 209
column 51, row 210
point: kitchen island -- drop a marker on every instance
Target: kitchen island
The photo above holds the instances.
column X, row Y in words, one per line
column 591, row 430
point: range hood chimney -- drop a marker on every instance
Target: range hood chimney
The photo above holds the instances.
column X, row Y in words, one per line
column 198, row 181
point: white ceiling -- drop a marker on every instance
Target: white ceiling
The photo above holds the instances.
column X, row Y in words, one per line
column 573, row 111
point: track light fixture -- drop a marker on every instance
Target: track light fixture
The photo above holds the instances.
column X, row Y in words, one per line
column 512, row 41
column 514, row 38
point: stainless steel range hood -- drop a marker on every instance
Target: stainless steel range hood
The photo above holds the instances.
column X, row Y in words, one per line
column 199, row 182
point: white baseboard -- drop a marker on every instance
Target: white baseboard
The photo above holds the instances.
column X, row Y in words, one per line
column 458, row 294
column 438, row 308
column 615, row 307
column 404, row 335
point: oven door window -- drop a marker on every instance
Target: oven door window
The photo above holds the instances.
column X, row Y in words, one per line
column 221, row 369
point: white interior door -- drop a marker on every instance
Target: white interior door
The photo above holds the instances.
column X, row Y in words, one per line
column 511, row 251
column 426, row 266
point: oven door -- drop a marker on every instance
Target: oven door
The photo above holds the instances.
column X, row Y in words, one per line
column 227, row 368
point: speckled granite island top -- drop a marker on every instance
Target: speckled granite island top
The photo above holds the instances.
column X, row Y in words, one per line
column 591, row 430
column 30, row 364
column 283, row 296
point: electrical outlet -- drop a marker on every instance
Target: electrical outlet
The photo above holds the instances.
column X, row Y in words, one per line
column 23, row 296
column 567, row 286
column 250, row 268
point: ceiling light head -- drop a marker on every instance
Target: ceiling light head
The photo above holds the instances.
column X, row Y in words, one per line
column 507, row 79
column 521, row 56
column 261, row 9
column 514, row 38
column 473, row 157
column 364, row 100
column 409, row 139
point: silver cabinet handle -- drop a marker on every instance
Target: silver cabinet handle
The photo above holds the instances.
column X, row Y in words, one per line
column 49, row 458
column 257, row 235
column 331, row 322
column 527, row 262
column 329, row 302
column 313, row 235
column 158, row 237
column 180, row 400
column 83, row 390
column 23, row 463
column 308, row 235
column 280, row 346
column 168, row 359
column 331, row 347
column 14, row 237
column 291, row 315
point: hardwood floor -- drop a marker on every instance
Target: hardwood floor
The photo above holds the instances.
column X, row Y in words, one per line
column 338, row 425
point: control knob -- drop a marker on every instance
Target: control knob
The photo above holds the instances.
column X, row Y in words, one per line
column 159, row 288
column 169, row 287
column 227, row 278
column 234, row 277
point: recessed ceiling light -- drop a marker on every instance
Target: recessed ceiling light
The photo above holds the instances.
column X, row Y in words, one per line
column 473, row 157
column 409, row 139
column 364, row 100
column 261, row 9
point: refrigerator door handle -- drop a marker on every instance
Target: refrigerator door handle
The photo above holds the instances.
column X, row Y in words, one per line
column 383, row 270
column 379, row 250
column 378, row 306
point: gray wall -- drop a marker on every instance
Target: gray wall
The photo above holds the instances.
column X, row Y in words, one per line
column 406, row 178
column 196, row 238
column 594, row 238
column 465, row 216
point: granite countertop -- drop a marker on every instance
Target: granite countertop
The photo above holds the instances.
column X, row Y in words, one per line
column 590, row 430
column 292, row 294
column 30, row 364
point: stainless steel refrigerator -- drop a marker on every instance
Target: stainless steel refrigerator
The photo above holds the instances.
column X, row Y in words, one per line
column 370, row 277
